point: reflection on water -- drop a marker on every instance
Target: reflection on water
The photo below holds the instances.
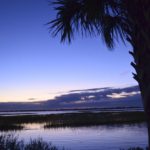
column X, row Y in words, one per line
column 89, row 138
column 33, row 126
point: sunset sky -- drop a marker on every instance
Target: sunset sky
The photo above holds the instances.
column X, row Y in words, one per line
column 36, row 66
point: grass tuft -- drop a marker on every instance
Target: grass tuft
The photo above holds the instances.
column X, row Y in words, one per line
column 11, row 142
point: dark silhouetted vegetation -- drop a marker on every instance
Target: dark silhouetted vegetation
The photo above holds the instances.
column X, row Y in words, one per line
column 7, row 127
column 89, row 119
column 10, row 142
column 72, row 119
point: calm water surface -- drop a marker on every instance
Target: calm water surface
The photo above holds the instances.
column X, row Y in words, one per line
column 89, row 138
column 14, row 113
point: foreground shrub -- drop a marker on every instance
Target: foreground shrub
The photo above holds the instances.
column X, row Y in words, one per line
column 11, row 142
column 39, row 144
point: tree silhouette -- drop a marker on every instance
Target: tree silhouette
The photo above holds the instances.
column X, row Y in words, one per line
column 111, row 19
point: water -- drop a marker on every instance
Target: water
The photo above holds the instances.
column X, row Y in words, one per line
column 104, row 137
column 14, row 113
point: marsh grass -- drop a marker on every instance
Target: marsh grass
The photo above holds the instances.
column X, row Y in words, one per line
column 11, row 142
column 71, row 119
column 90, row 119
column 8, row 127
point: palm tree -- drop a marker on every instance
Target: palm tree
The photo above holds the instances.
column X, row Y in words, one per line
column 111, row 19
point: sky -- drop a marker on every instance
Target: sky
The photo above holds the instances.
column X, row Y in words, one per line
column 36, row 66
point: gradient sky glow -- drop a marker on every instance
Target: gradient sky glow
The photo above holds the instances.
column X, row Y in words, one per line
column 35, row 65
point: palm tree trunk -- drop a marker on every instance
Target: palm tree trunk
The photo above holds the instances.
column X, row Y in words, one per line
column 141, row 65
column 146, row 102
column 139, row 38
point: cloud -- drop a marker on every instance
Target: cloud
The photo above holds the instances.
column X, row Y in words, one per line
column 94, row 90
column 95, row 98
column 123, row 94
column 32, row 99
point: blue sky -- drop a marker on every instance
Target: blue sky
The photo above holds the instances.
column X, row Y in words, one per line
column 35, row 65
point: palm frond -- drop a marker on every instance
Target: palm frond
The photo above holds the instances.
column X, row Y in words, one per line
column 90, row 17
column 66, row 11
